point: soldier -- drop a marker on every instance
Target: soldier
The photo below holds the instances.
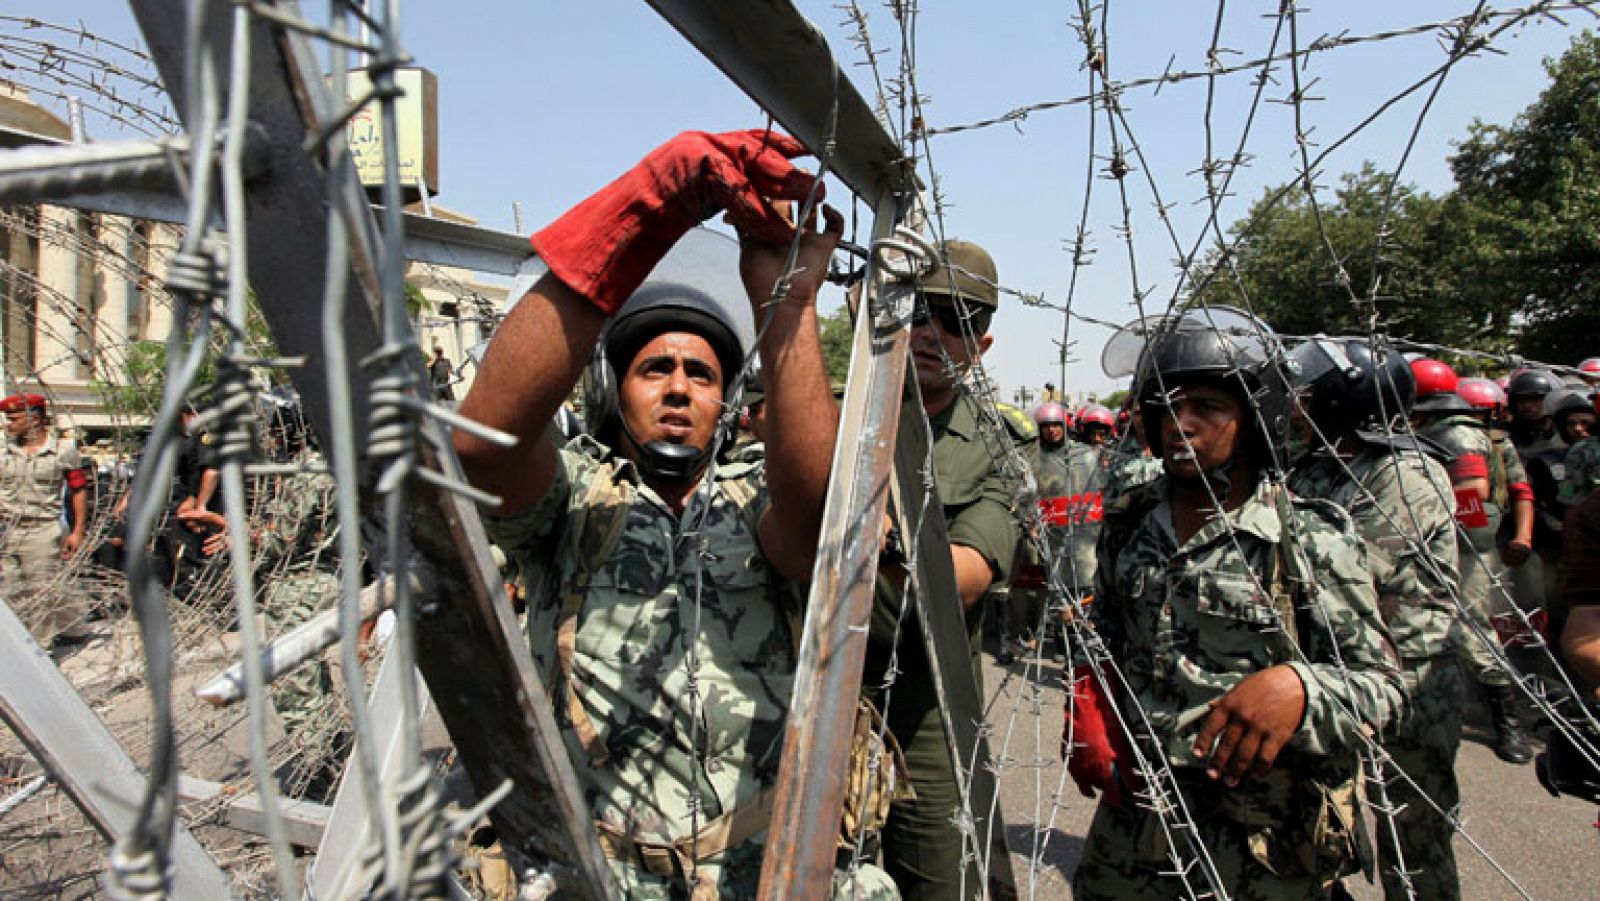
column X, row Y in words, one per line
column 1532, row 429
column 1401, row 501
column 1026, row 614
column 672, row 634
column 1487, row 478
column 982, row 498
column 1589, row 371
column 1250, row 656
column 1582, row 466
column 1131, row 462
column 38, row 469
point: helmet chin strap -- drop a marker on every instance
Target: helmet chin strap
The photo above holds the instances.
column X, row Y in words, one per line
column 664, row 461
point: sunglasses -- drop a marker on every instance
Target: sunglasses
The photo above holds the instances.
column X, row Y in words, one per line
column 951, row 318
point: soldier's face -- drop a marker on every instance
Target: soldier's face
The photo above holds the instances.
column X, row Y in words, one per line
column 1053, row 433
column 938, row 351
column 672, row 391
column 1202, row 429
column 1580, row 425
column 18, row 422
column 1096, row 435
column 1527, row 406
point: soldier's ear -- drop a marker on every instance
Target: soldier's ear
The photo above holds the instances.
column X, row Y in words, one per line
column 984, row 343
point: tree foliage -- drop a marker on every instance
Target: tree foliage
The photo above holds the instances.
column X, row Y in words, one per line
column 837, row 333
column 1525, row 215
column 1507, row 261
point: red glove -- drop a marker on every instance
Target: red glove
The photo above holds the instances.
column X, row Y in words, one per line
column 604, row 247
column 1098, row 743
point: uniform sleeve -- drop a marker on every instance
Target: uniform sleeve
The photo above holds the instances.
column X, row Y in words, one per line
column 521, row 535
column 988, row 525
column 1411, row 545
column 1353, row 668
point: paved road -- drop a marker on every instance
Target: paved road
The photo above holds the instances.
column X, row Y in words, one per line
column 1550, row 846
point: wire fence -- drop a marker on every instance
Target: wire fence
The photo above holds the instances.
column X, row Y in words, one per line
column 290, row 540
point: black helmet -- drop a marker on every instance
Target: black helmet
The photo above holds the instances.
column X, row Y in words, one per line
column 1567, row 403
column 1536, row 382
column 1343, row 383
column 695, row 288
column 1228, row 346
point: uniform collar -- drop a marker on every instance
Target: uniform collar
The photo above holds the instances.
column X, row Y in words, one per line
column 1258, row 516
column 958, row 419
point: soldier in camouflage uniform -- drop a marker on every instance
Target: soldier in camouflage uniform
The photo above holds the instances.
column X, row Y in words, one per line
column 983, row 497
column 670, row 638
column 1487, row 478
column 1029, row 581
column 1249, row 649
column 1132, row 464
column 1401, row 501
column 1582, row 471
column 35, row 467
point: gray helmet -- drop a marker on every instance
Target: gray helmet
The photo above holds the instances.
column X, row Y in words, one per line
column 1444, row 402
column 1345, row 384
column 695, row 288
column 1231, row 348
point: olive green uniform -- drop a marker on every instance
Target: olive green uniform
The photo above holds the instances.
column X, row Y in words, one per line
column 983, row 506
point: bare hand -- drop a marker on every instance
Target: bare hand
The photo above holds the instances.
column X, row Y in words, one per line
column 1249, row 725
column 70, row 544
column 762, row 264
column 215, row 543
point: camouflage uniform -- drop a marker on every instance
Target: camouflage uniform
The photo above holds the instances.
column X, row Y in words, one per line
column 1129, row 471
column 1482, row 586
column 30, row 503
column 296, row 571
column 922, row 846
column 1583, row 471
column 1398, row 501
column 669, row 595
column 1186, row 624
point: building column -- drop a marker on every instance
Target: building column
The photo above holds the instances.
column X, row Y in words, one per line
column 55, row 331
column 111, row 319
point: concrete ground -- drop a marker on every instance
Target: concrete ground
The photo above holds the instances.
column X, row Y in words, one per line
column 1549, row 846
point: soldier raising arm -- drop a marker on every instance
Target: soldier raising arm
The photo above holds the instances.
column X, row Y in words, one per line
column 670, row 630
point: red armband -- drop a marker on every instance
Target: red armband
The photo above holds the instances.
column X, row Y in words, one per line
column 1469, row 466
column 1520, row 491
column 77, row 479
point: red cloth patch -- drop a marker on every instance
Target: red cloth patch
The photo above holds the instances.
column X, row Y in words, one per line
column 1469, row 509
column 1469, row 466
column 76, row 479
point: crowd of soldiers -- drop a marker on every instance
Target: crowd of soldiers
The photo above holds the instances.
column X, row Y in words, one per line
column 1269, row 574
column 1263, row 571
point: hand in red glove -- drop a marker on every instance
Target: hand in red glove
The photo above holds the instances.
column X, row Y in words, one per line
column 1098, row 746
column 604, row 247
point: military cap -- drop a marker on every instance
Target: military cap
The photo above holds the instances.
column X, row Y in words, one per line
column 964, row 270
column 23, row 402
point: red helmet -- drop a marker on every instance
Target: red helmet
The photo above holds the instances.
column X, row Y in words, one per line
column 1095, row 414
column 1051, row 412
column 1433, row 377
column 1482, row 394
column 1590, row 366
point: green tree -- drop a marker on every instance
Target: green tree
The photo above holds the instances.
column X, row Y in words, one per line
column 1524, row 231
column 837, row 333
column 1289, row 257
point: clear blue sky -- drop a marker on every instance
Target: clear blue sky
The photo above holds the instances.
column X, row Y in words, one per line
column 542, row 102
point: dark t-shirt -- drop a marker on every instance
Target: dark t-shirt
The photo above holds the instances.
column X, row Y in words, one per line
column 1580, row 561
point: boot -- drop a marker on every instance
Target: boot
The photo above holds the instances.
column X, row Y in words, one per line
column 1510, row 746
